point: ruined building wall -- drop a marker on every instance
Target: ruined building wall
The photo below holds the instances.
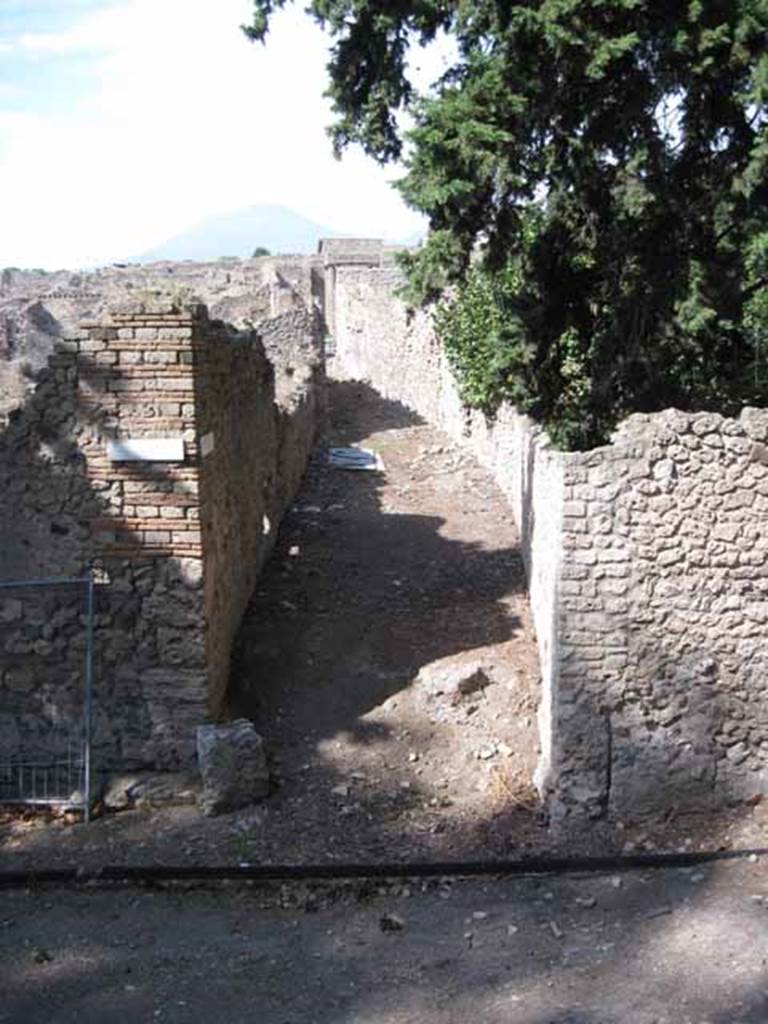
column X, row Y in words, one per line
column 295, row 344
column 648, row 569
column 182, row 540
column 663, row 692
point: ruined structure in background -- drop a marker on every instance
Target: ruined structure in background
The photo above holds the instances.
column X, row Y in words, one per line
column 37, row 308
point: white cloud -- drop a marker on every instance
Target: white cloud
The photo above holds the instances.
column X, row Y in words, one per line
column 186, row 118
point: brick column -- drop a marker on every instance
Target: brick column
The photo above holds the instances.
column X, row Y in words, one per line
column 136, row 384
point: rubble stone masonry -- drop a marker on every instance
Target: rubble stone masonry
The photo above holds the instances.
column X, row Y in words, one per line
column 648, row 569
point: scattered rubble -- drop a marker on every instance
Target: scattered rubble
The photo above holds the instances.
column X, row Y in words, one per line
column 145, row 790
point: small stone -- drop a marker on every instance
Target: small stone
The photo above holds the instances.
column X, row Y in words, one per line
column 586, row 901
column 557, row 932
column 512, row 929
column 473, row 683
column 479, row 915
column 146, row 790
column 342, row 790
column 391, row 923
column 413, row 757
column 294, row 550
column 10, row 610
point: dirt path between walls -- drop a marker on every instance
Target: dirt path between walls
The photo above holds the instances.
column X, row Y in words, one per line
column 356, row 656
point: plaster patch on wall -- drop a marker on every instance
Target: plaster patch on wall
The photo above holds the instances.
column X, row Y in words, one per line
column 146, row 449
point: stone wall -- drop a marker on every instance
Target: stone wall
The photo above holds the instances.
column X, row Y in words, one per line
column 66, row 507
column 663, row 689
column 648, row 568
column 181, row 541
column 295, row 344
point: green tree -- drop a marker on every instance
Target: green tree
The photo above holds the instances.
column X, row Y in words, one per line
column 261, row 251
column 602, row 167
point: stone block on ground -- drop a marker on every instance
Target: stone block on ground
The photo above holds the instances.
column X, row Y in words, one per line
column 233, row 766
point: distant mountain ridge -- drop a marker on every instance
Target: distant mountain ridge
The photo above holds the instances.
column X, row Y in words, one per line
column 239, row 232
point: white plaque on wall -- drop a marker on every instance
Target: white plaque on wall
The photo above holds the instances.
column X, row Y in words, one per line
column 207, row 444
column 146, row 449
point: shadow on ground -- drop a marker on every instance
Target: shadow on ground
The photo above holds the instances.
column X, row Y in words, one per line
column 374, row 577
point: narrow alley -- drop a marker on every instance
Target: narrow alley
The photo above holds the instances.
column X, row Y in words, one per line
column 388, row 656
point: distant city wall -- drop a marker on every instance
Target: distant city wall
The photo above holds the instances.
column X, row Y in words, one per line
column 648, row 568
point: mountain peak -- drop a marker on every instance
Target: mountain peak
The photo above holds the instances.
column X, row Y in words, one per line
column 239, row 232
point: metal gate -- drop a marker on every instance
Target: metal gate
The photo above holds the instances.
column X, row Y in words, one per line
column 46, row 691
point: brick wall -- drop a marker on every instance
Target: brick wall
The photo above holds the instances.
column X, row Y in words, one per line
column 181, row 541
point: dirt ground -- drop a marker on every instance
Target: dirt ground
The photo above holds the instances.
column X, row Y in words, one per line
column 670, row 947
column 383, row 586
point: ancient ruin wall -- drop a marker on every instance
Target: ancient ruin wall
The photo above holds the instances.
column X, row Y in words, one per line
column 648, row 569
column 181, row 541
column 36, row 307
column 295, row 344
column 66, row 506
column 662, row 690
column 259, row 406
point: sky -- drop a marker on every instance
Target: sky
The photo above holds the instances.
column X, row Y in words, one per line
column 123, row 122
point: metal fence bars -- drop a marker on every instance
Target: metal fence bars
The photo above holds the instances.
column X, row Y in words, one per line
column 46, row 691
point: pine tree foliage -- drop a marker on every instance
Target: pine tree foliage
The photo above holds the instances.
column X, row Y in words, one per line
column 595, row 173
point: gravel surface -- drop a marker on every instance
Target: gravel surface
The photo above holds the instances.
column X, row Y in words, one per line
column 668, row 947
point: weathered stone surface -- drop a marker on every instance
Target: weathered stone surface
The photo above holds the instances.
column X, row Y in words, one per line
column 10, row 739
column 10, row 609
column 233, row 766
